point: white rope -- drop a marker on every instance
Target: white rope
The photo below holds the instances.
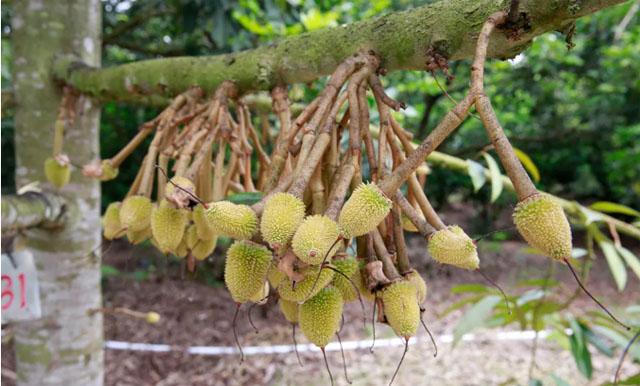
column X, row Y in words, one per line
column 334, row 346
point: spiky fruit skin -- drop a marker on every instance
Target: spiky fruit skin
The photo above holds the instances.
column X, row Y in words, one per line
column 363, row 211
column 181, row 251
column 275, row 276
column 319, row 317
column 201, row 249
column 401, row 308
column 261, row 296
column 314, row 237
column 111, row 227
column 289, row 310
column 543, row 224
column 167, row 226
column 359, row 280
column 453, row 246
column 245, row 269
column 283, row 213
column 56, row 173
column 303, row 288
column 232, row 220
column 418, row 282
column 137, row 237
column 108, row 171
column 349, row 267
column 205, row 231
column 135, row 213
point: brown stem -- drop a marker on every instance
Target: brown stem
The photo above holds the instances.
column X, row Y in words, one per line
column 163, row 164
column 317, row 192
column 416, row 219
column 404, row 265
column 218, row 171
column 340, row 187
column 379, row 93
column 384, row 256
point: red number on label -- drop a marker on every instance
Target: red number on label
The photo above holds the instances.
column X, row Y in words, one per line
column 23, row 295
column 7, row 291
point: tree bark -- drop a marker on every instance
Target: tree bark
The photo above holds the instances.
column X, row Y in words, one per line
column 65, row 346
column 402, row 40
column 32, row 209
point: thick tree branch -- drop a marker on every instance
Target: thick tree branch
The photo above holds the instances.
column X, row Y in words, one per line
column 402, row 40
column 32, row 209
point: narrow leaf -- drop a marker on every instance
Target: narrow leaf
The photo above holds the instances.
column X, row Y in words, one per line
column 612, row 207
column 579, row 349
column 475, row 317
column 630, row 258
column 616, row 266
column 468, row 287
column 559, row 381
column 528, row 164
column 496, row 176
column 245, row 198
column 476, row 172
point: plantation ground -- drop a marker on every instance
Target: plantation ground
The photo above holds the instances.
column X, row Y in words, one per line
column 198, row 314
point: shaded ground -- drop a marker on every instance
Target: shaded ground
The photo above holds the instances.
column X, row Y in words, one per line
column 194, row 313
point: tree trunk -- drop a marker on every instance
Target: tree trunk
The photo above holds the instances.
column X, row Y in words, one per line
column 65, row 346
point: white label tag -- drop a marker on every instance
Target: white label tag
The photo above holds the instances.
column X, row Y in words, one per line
column 20, row 291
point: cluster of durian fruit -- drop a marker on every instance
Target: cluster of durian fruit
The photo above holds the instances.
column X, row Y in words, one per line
column 295, row 242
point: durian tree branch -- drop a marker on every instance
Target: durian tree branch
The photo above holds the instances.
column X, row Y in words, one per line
column 32, row 209
column 402, row 40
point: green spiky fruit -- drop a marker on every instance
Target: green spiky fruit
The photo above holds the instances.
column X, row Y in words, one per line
column 453, row 246
column 418, row 282
column 314, row 237
column 111, row 227
column 289, row 310
column 262, row 295
column 232, row 220
column 135, row 213
column 275, row 276
column 245, row 269
column 167, row 225
column 201, row 249
column 205, row 231
column 348, row 267
column 543, row 224
column 320, row 316
column 360, row 282
column 181, row 251
column 137, row 237
column 363, row 211
column 401, row 308
column 108, row 171
column 282, row 215
column 303, row 289
column 56, row 173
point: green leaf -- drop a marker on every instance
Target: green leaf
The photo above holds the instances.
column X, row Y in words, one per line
column 616, row 266
column 612, row 207
column 528, row 164
column 462, row 288
column 535, row 382
column 559, row 381
column 619, row 340
column 588, row 214
column 461, row 303
column 579, row 349
column 633, row 380
column 475, row 317
column 476, row 172
column 245, row 198
column 598, row 342
column 577, row 253
column 630, row 258
column 109, row 271
column 496, row 176
column 529, row 296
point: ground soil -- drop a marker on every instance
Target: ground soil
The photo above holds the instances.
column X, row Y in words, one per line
column 197, row 313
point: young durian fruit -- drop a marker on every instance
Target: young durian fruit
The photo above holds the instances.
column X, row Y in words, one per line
column 289, row 309
column 262, row 295
column 275, row 276
column 111, row 227
column 201, row 249
column 452, row 246
column 363, row 211
column 283, row 213
column 137, row 237
column 182, row 250
column 231, row 220
column 313, row 239
column 401, row 308
column 180, row 191
column 304, row 289
column 108, row 172
column 245, row 269
column 349, row 268
column 319, row 317
column 135, row 213
column 418, row 282
column 57, row 173
column 205, row 231
column 167, row 226
column 360, row 282
column 543, row 224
